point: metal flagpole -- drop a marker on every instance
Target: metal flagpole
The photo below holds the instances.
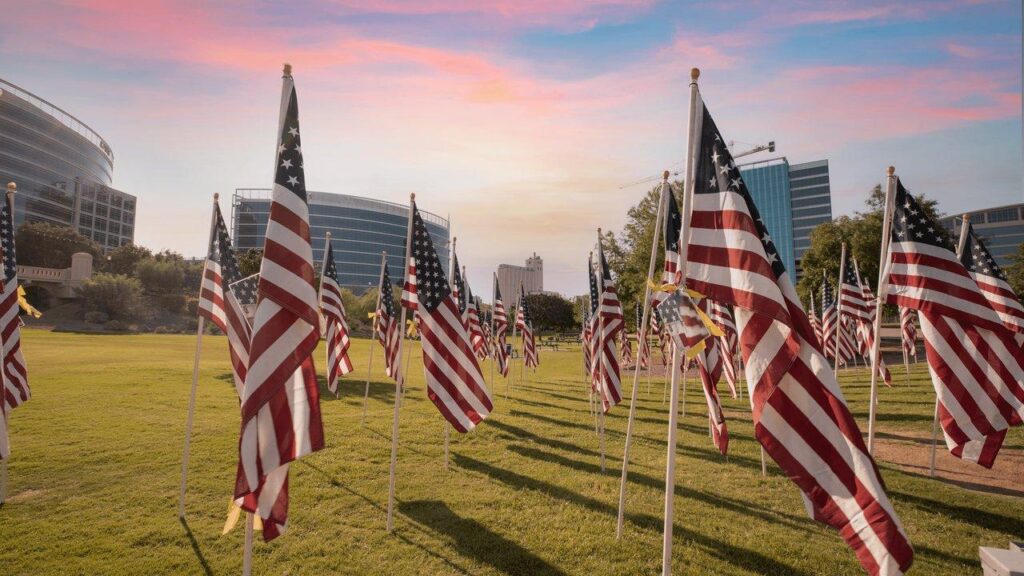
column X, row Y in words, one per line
column 247, row 551
column 641, row 338
column 883, row 279
column 670, row 464
column 451, row 275
column 686, row 379
column 839, row 308
column 373, row 335
column 601, row 342
column 398, row 383
column 195, row 378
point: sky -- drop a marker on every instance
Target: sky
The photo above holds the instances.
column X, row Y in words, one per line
column 523, row 121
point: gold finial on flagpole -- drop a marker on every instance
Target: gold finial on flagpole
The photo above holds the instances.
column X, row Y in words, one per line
column 287, row 69
column 665, row 175
column 328, row 234
column 694, row 74
column 966, row 218
column 216, row 196
column 892, row 170
column 12, row 187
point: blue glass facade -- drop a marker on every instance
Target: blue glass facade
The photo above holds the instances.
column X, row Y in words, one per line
column 768, row 183
column 360, row 229
column 811, row 195
column 1001, row 228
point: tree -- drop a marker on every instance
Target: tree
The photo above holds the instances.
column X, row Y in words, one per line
column 50, row 246
column 249, row 261
column 117, row 296
column 551, row 312
column 161, row 276
column 122, row 260
column 1015, row 271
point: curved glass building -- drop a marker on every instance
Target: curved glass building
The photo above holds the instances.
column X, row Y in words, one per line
column 63, row 170
column 360, row 229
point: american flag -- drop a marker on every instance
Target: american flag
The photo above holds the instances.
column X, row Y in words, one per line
column 211, row 291
column 591, row 330
column 485, row 327
column 991, row 280
column 644, row 346
column 454, row 381
column 858, row 307
column 908, row 331
column 682, row 323
column 231, row 298
column 476, row 333
column 658, row 327
column 459, row 291
column 710, row 365
column 500, row 330
column 816, row 324
column 800, row 416
column 586, row 341
column 386, row 327
column 525, row 325
column 16, row 390
column 610, row 323
column 280, row 401
column 672, row 271
column 338, row 362
column 625, row 348
column 722, row 318
column 975, row 364
column 830, row 324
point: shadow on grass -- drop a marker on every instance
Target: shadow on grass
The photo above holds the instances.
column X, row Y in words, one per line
column 978, row 517
column 744, row 558
column 195, row 547
column 522, row 434
column 473, row 539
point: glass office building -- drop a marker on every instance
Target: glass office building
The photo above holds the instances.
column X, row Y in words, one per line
column 1001, row 228
column 63, row 170
column 360, row 229
column 793, row 199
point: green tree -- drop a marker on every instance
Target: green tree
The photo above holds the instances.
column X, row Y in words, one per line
column 551, row 312
column 50, row 246
column 249, row 261
column 116, row 295
column 122, row 260
column 161, row 276
column 1015, row 271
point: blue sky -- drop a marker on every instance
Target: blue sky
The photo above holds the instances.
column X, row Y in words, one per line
column 522, row 120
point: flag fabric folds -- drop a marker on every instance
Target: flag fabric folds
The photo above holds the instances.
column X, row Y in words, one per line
column 525, row 325
column 722, row 317
column 386, row 327
column 15, row 371
column 671, row 274
column 908, row 332
column 500, row 331
column 338, row 362
column 991, row 280
column 800, row 415
column 644, row 344
column 625, row 348
column 830, row 325
column 609, row 324
column 858, row 308
column 476, row 332
column 455, row 383
column 816, row 324
column 710, row 365
column 974, row 360
column 280, row 400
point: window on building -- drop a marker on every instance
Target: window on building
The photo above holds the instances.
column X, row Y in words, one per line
column 117, row 201
column 115, row 214
column 129, row 204
column 1004, row 215
column 88, row 206
column 103, row 196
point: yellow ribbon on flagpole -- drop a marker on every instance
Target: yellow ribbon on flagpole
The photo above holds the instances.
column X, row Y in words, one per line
column 411, row 330
column 234, row 512
column 711, row 327
column 23, row 302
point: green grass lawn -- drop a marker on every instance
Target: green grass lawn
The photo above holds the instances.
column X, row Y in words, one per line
column 97, row 452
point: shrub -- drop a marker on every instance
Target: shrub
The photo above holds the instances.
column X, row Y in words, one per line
column 161, row 276
column 116, row 326
column 115, row 295
column 96, row 317
column 192, row 306
column 38, row 297
column 171, row 302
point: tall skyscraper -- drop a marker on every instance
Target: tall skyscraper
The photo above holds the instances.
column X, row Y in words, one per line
column 793, row 200
column 530, row 276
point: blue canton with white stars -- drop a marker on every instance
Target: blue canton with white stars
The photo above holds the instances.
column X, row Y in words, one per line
column 593, row 287
column 431, row 284
column 7, row 242
column 387, row 296
column 911, row 224
column 976, row 257
column 330, row 269
column 222, row 253
column 290, row 173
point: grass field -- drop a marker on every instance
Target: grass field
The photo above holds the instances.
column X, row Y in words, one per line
column 97, row 453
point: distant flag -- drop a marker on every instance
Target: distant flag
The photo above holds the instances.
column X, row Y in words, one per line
column 455, row 383
column 211, row 289
column 280, row 400
column 671, row 275
column 500, row 331
column 591, row 330
column 625, row 348
column 228, row 299
column 586, row 332
column 991, row 280
column 525, row 324
column 816, row 323
column 710, row 365
column 800, row 417
column 908, row 331
column 722, row 318
column 858, row 309
column 389, row 333
column 830, row 324
column 974, row 361
column 459, row 291
column 15, row 376
column 644, row 346
column 476, row 333
column 610, row 323
column 333, row 308
column 658, row 327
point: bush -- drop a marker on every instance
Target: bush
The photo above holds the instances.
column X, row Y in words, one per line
column 161, row 276
column 96, row 317
column 171, row 302
column 123, row 259
column 192, row 306
column 116, row 326
column 115, row 295
column 38, row 297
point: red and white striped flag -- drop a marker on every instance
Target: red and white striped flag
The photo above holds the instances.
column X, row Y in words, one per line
column 226, row 298
column 722, row 318
column 671, row 274
column 476, row 332
column 454, row 381
column 711, row 365
column 15, row 371
column 800, row 416
column 338, row 362
column 908, row 331
column 609, row 324
column 830, row 324
column 644, row 344
column 816, row 324
column 625, row 349
column 525, row 325
column 500, row 330
column 280, row 401
column 991, row 280
column 974, row 360
column 857, row 304
column 386, row 327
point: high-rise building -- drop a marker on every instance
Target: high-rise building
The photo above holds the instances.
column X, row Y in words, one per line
column 793, row 199
column 63, row 170
column 360, row 229
column 531, row 277
column 1001, row 228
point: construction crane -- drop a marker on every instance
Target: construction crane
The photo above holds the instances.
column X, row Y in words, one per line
column 770, row 147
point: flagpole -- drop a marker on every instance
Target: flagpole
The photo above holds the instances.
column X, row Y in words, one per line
column 398, row 382
column 641, row 337
column 247, row 551
column 195, row 376
column 670, row 464
column 373, row 335
column 839, row 308
column 876, row 351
